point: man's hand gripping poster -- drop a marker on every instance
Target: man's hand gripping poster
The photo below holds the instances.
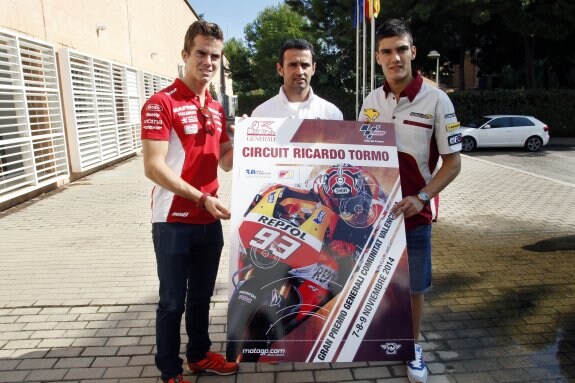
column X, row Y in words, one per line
column 318, row 265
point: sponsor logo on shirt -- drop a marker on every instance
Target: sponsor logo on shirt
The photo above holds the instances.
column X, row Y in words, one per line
column 452, row 127
column 180, row 214
column 154, row 107
column 183, row 108
column 454, row 139
column 189, row 120
column 371, row 114
column 450, row 115
column 421, row 115
column 150, row 127
column 151, row 121
column 191, row 129
column 156, row 115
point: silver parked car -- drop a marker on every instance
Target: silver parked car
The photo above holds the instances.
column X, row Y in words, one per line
column 505, row 131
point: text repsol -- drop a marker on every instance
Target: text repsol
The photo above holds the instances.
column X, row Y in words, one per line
column 283, row 225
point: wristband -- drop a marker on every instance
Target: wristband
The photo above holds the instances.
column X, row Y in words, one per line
column 202, row 200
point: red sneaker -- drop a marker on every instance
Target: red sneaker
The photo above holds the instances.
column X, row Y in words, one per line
column 213, row 363
column 178, row 379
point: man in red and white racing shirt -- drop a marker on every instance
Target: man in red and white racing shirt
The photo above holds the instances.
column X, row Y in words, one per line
column 184, row 139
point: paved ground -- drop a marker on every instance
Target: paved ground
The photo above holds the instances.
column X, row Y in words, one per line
column 556, row 160
column 78, row 286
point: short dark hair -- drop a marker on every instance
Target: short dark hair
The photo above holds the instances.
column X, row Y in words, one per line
column 301, row 44
column 393, row 28
column 201, row 27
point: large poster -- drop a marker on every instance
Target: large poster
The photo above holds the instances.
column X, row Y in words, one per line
column 318, row 265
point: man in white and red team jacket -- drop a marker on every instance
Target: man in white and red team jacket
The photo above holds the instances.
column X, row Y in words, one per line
column 184, row 140
column 426, row 129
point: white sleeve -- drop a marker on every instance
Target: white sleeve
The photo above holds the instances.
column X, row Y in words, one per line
column 257, row 112
column 446, row 129
column 336, row 114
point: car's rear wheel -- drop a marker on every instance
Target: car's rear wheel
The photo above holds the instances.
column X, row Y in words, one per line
column 468, row 144
column 533, row 144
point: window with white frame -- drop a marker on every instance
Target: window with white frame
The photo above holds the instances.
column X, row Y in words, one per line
column 32, row 139
column 102, row 103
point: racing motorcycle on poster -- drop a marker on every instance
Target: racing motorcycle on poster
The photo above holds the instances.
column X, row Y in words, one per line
column 297, row 248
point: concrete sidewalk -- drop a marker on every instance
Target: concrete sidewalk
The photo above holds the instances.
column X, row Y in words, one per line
column 78, row 286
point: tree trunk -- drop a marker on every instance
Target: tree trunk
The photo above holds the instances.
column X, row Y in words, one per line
column 529, row 62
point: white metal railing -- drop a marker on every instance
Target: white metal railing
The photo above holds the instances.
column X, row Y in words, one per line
column 32, row 140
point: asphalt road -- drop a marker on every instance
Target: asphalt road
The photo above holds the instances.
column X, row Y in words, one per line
column 553, row 161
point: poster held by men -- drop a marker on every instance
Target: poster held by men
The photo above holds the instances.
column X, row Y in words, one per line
column 318, row 264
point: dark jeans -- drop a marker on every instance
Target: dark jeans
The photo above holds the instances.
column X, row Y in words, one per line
column 419, row 258
column 188, row 257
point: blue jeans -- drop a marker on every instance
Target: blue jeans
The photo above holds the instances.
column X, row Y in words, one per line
column 187, row 257
column 419, row 258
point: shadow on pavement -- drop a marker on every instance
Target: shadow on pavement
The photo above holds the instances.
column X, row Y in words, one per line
column 552, row 244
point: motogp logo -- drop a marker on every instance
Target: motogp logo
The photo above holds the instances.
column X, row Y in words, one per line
column 371, row 130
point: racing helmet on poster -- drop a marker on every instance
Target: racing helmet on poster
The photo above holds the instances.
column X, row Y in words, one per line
column 352, row 193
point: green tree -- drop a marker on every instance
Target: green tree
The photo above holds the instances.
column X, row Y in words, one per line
column 239, row 65
column 253, row 65
column 518, row 43
column 521, row 41
column 330, row 26
column 264, row 37
column 529, row 37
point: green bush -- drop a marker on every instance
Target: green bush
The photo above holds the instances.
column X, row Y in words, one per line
column 248, row 102
column 550, row 106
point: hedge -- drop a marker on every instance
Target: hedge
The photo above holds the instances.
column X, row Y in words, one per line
column 248, row 102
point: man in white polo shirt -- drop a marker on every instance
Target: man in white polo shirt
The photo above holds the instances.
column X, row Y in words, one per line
column 426, row 129
column 296, row 98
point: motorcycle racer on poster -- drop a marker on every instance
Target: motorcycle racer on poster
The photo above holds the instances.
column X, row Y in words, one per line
column 297, row 249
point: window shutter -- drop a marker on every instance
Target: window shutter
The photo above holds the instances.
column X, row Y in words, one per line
column 102, row 104
column 32, row 140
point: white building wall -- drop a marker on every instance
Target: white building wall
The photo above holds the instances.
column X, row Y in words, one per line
column 146, row 35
